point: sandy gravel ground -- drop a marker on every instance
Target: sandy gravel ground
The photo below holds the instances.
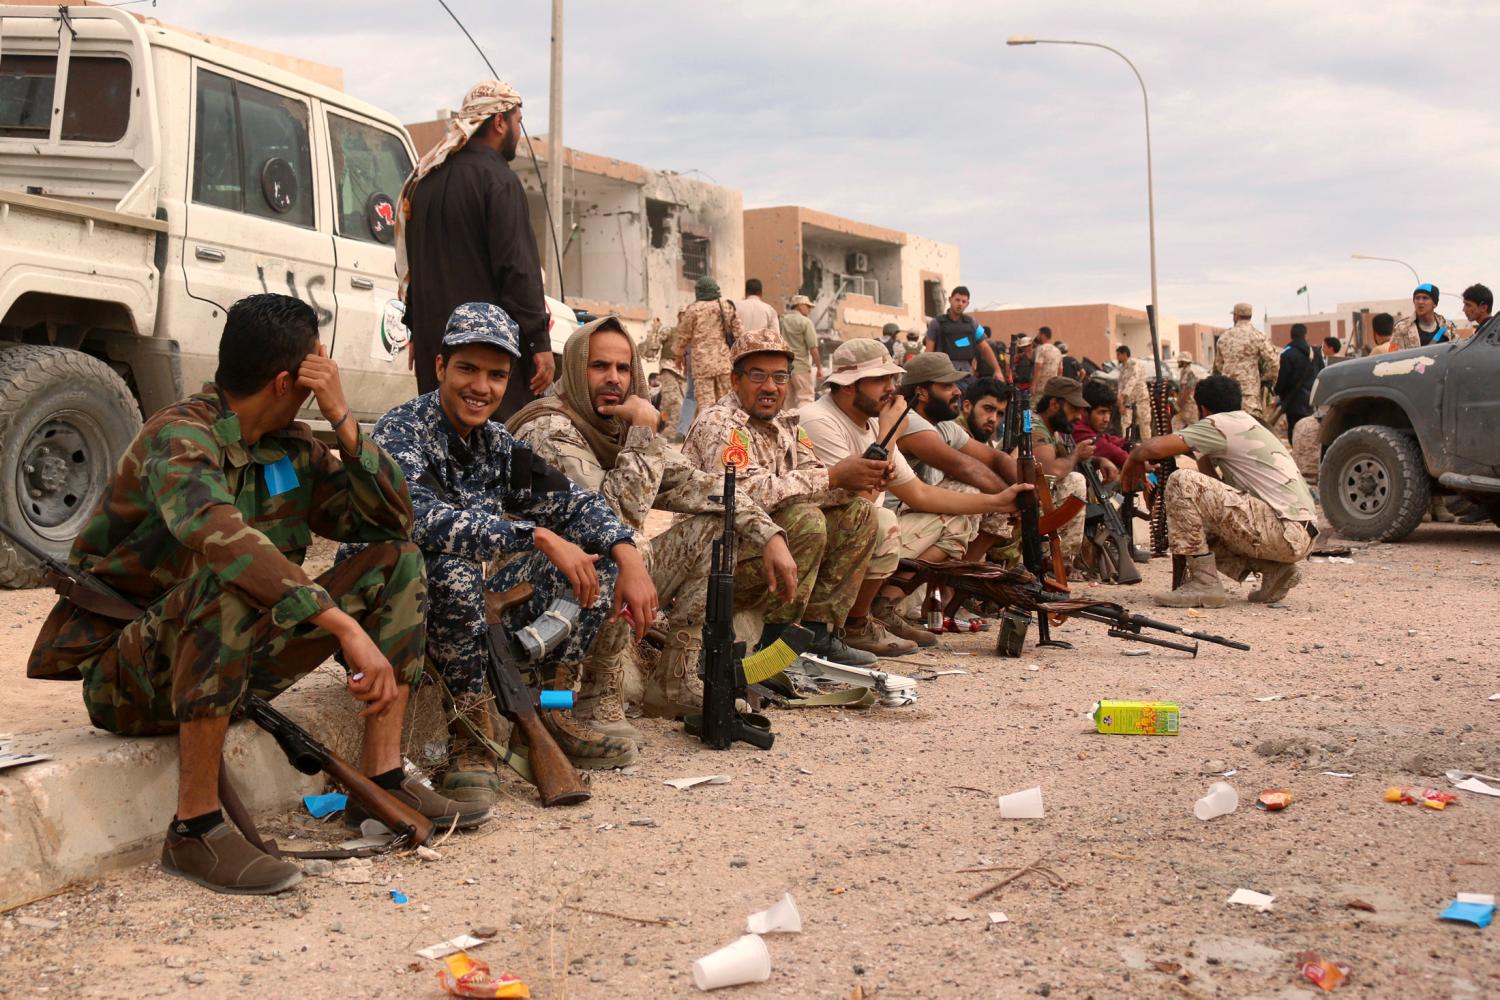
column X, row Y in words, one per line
column 1385, row 667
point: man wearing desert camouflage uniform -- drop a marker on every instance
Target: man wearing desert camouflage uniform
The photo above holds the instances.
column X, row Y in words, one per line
column 830, row 528
column 600, row 431
column 1425, row 325
column 658, row 347
column 705, row 333
column 204, row 526
column 1246, row 509
column 1133, row 395
column 1245, row 354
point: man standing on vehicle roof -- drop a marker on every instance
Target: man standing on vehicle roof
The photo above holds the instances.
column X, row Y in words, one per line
column 463, row 234
column 1426, row 326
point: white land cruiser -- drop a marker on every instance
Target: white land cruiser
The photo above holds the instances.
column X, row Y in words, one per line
column 148, row 180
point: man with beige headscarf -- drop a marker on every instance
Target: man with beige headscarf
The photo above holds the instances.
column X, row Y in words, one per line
column 600, row 431
column 463, row 234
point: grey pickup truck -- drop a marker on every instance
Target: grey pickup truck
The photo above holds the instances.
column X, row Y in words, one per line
column 1399, row 429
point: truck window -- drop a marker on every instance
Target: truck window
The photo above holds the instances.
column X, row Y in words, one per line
column 95, row 109
column 251, row 153
column 369, row 165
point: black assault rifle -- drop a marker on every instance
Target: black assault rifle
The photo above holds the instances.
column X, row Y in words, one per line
column 1115, row 545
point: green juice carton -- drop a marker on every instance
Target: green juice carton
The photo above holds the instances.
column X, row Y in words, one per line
column 1136, row 718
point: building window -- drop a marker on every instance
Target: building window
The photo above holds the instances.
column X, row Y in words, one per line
column 932, row 298
column 658, row 221
column 695, row 256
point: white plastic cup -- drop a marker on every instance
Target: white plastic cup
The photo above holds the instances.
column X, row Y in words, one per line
column 1221, row 800
column 1022, row 805
column 745, row 961
column 782, row 918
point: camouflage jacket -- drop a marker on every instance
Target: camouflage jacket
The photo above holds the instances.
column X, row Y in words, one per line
column 1132, row 388
column 646, row 475
column 1244, row 353
column 1048, row 365
column 189, row 494
column 774, row 461
column 701, row 334
column 1406, row 334
column 484, row 497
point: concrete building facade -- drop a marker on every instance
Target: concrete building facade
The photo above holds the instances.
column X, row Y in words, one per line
column 1090, row 331
column 635, row 240
column 859, row 276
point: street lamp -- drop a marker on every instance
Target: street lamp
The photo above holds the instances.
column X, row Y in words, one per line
column 1389, row 260
column 1146, row 104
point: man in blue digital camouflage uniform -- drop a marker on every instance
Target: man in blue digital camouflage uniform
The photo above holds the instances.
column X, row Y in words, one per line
column 477, row 496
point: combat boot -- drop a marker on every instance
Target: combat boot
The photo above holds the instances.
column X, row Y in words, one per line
column 674, row 688
column 884, row 610
column 1276, row 581
column 1201, row 589
column 601, row 701
column 829, row 644
column 586, row 747
column 470, row 777
column 871, row 636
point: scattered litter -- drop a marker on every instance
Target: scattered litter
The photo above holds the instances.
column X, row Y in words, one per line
column 1229, row 773
column 708, row 779
column 428, row 854
column 374, row 828
column 1477, row 786
column 1345, row 560
column 1493, row 697
column 1429, row 797
column 469, row 977
column 399, row 898
column 38, row 923
column 804, row 770
column 1339, row 774
column 1482, row 898
column 444, row 948
column 744, row 961
column 780, row 918
column 1360, row 904
column 602, row 827
column 1196, row 614
column 1025, row 804
column 1271, row 697
column 643, row 821
column 353, row 871
column 998, row 918
column 1248, row 897
column 319, row 806
column 1274, row 799
column 360, row 843
column 631, row 769
column 934, row 674
column 894, row 690
column 1478, row 914
column 1033, row 667
column 1221, row 800
column 1135, row 652
column 1411, row 631
column 1136, row 718
column 12, row 758
column 1325, row 975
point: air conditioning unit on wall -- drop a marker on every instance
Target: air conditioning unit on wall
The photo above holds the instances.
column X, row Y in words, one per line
column 857, row 263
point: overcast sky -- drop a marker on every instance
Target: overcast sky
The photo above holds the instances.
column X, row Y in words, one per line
column 1286, row 135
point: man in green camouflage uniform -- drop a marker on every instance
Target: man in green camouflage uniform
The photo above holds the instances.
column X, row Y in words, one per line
column 204, row 526
column 831, row 528
column 599, row 430
column 1254, row 516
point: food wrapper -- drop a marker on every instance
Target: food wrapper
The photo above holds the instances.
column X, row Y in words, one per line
column 469, row 977
column 1429, row 797
column 1325, row 975
column 1274, row 799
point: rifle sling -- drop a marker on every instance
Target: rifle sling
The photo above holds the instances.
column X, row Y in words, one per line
column 107, row 605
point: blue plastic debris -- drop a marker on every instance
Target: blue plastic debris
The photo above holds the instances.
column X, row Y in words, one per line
column 1478, row 914
column 398, row 897
column 555, row 699
column 324, row 805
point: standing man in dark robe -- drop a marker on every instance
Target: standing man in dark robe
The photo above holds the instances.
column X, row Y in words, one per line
column 463, row 234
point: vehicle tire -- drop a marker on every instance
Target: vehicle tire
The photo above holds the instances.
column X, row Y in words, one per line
column 65, row 419
column 1373, row 484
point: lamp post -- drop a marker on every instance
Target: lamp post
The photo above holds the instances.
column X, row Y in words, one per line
column 1146, row 104
column 1389, row 260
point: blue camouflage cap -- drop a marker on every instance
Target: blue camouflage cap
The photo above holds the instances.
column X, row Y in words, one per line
column 483, row 323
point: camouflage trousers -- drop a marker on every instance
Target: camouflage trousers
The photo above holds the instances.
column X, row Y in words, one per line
column 200, row 649
column 1307, row 449
column 1136, row 414
column 455, row 628
column 832, row 547
column 1070, row 535
column 887, row 554
column 1205, row 514
column 709, row 389
column 672, row 385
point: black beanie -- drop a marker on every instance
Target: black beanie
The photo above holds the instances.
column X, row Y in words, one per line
column 1429, row 288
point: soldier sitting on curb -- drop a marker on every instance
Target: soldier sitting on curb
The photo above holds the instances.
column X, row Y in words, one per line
column 1246, row 510
column 829, row 526
column 600, row 431
column 478, row 494
column 204, row 526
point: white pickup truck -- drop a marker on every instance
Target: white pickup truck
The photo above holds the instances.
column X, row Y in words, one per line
column 149, row 179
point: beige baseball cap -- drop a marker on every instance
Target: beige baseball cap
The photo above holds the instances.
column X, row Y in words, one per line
column 765, row 341
column 1184, row 358
column 862, row 358
column 931, row 366
column 799, row 300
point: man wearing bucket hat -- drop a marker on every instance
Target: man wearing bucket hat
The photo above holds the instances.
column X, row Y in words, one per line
column 706, row 333
column 463, row 234
column 860, row 407
column 1425, row 325
column 830, row 526
column 802, row 338
column 600, row 431
column 1245, row 355
column 478, row 495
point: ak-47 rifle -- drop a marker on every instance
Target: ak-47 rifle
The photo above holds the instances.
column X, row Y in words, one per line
column 1117, row 538
column 557, row 781
column 84, row 589
column 1029, row 502
column 1161, row 423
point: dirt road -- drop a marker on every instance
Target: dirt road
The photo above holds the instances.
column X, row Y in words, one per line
column 1384, row 668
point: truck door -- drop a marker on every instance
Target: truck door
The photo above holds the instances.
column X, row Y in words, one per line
column 369, row 161
column 1471, row 408
column 252, row 223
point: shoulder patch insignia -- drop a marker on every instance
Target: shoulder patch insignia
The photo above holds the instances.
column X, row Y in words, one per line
column 738, row 450
column 803, row 439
